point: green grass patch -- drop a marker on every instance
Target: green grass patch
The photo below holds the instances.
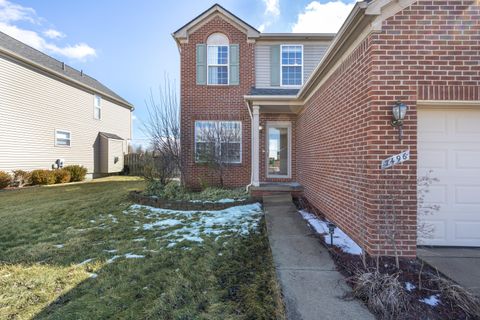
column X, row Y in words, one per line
column 64, row 255
column 174, row 191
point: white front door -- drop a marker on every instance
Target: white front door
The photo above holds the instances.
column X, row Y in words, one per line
column 279, row 149
column 449, row 147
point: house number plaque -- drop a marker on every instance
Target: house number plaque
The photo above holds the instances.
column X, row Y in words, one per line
column 396, row 159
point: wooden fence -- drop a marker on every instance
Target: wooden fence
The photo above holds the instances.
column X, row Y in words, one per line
column 135, row 163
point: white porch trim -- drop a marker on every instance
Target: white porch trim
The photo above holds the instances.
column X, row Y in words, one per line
column 256, row 146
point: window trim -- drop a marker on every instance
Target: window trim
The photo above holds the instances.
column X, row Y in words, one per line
column 218, row 121
column 95, row 107
column 290, row 65
column 69, row 139
column 219, row 65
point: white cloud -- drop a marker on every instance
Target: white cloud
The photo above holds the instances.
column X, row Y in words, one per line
column 11, row 13
column 272, row 7
column 53, row 34
column 323, row 17
column 271, row 13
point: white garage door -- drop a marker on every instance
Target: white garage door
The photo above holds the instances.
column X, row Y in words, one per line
column 449, row 146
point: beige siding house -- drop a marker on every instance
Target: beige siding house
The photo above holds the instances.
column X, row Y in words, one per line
column 50, row 112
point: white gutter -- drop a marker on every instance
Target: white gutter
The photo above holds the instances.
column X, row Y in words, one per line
column 251, row 146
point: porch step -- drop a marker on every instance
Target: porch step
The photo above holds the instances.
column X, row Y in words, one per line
column 294, row 189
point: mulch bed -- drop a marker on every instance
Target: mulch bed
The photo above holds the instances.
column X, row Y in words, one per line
column 139, row 198
column 411, row 270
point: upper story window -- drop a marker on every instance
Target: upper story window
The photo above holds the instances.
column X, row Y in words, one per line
column 217, row 59
column 291, row 65
column 97, row 107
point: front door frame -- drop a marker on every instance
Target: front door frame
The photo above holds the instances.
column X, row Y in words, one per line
column 279, row 124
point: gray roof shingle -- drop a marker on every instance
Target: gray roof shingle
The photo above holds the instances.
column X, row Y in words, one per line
column 21, row 49
column 111, row 136
column 273, row 92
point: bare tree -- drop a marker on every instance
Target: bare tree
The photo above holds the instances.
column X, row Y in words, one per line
column 163, row 126
column 218, row 145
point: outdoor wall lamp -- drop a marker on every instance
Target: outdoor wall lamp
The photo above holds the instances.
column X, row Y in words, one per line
column 399, row 110
column 331, row 231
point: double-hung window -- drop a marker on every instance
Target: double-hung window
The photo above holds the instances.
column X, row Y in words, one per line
column 63, row 138
column 217, row 59
column 218, row 141
column 97, row 107
column 291, row 65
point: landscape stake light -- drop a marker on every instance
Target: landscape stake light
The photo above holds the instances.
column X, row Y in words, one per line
column 331, row 231
column 399, row 110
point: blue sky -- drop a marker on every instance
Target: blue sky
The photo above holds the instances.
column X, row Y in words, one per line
column 127, row 45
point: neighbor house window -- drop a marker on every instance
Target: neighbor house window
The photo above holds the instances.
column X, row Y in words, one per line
column 63, row 138
column 292, row 65
column 97, row 107
column 218, row 141
column 217, row 59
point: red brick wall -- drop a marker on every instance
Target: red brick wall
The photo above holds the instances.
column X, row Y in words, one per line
column 428, row 51
column 202, row 102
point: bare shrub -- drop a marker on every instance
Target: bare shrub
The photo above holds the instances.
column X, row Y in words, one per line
column 163, row 127
column 220, row 146
column 383, row 293
column 458, row 296
column 424, row 229
column 159, row 167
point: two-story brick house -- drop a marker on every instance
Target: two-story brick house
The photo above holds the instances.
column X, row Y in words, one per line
column 319, row 112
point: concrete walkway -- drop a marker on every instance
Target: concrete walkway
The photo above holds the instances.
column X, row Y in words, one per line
column 311, row 287
column 462, row 265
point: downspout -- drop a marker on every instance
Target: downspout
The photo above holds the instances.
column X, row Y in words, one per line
column 247, row 188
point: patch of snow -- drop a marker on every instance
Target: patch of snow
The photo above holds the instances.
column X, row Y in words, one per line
column 162, row 223
column 93, row 275
column 92, row 221
column 432, row 300
column 85, row 262
column 114, row 219
column 139, row 239
column 410, row 286
column 111, row 251
column 193, row 224
column 133, row 256
column 112, row 259
column 340, row 238
column 58, row 246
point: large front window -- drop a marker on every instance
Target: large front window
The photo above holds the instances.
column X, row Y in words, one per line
column 218, row 141
column 292, row 65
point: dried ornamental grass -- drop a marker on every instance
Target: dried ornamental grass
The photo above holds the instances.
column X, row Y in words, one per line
column 459, row 296
column 383, row 293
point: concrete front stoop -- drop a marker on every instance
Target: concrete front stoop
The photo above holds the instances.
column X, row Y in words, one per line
column 311, row 286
